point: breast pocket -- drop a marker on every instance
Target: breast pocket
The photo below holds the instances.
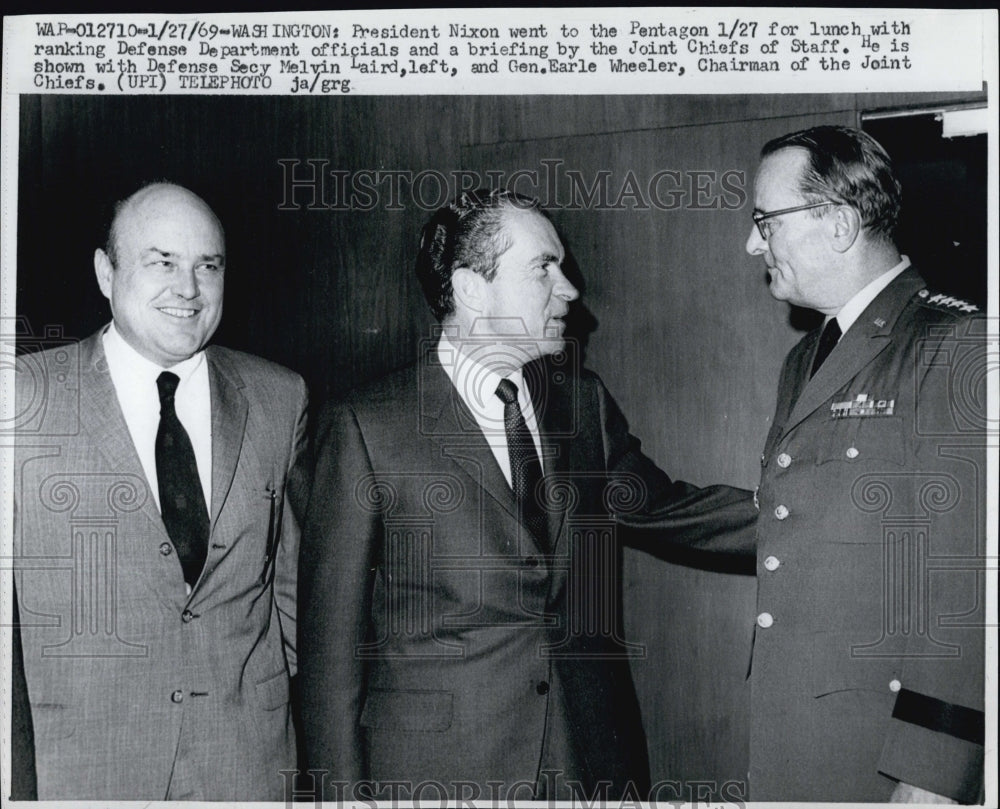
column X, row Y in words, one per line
column 864, row 440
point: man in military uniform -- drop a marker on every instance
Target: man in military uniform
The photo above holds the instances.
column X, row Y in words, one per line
column 867, row 670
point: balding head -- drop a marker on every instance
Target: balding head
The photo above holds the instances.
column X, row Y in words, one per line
column 163, row 272
column 143, row 203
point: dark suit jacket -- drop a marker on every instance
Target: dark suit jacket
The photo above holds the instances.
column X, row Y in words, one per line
column 439, row 642
column 137, row 690
column 871, row 545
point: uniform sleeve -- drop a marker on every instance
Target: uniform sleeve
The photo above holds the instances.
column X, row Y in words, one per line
column 669, row 513
column 297, row 478
column 936, row 734
column 335, row 585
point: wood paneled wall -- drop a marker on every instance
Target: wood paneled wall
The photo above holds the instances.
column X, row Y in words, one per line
column 678, row 318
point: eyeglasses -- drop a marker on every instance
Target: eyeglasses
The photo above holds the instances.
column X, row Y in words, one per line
column 766, row 229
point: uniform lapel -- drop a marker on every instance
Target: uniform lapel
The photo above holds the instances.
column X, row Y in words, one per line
column 868, row 337
column 855, row 350
column 229, row 418
column 101, row 416
column 794, row 378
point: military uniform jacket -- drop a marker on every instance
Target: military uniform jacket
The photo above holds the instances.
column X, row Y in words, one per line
column 868, row 648
column 440, row 644
column 139, row 690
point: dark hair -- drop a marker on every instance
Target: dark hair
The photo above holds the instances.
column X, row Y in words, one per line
column 111, row 240
column 465, row 233
column 849, row 167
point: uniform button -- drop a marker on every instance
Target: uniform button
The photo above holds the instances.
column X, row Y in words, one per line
column 763, row 460
column 166, row 549
column 177, row 696
column 784, row 460
column 187, row 616
column 852, row 452
column 764, row 620
column 772, row 563
column 542, row 688
column 781, row 512
column 894, row 686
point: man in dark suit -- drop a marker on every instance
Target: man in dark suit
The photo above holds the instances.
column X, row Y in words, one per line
column 459, row 577
column 159, row 489
column 867, row 672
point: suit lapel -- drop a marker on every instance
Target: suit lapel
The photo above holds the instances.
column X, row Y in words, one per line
column 552, row 415
column 229, row 418
column 101, row 416
column 450, row 424
column 868, row 337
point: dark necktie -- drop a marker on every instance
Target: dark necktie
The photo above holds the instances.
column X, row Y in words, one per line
column 182, row 501
column 525, row 468
column 827, row 340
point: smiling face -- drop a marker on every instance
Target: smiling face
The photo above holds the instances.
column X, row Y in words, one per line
column 799, row 259
column 166, row 290
column 529, row 296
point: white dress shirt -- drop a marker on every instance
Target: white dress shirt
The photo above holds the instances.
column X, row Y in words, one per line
column 476, row 379
column 852, row 310
column 134, row 378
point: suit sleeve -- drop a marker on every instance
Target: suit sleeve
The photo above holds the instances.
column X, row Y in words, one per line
column 297, row 478
column 23, row 784
column 665, row 513
column 335, row 584
column 936, row 734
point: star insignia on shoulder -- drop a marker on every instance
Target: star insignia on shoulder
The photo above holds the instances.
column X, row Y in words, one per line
column 946, row 302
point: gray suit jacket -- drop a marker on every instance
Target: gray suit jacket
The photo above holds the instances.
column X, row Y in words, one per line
column 137, row 689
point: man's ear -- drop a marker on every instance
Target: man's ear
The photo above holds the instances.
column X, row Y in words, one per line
column 846, row 228
column 467, row 287
column 103, row 269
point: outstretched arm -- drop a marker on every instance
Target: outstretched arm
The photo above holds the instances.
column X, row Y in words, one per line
column 713, row 519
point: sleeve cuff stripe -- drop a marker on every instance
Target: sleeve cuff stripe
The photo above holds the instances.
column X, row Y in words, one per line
column 944, row 717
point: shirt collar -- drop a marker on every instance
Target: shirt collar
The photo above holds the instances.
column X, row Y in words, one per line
column 475, row 381
column 852, row 310
column 122, row 355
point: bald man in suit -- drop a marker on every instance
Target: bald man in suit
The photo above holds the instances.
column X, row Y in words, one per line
column 160, row 484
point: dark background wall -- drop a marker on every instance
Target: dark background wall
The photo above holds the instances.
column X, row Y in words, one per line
column 676, row 317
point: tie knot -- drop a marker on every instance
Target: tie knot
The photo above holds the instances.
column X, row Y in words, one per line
column 827, row 340
column 831, row 331
column 507, row 391
column 166, row 384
